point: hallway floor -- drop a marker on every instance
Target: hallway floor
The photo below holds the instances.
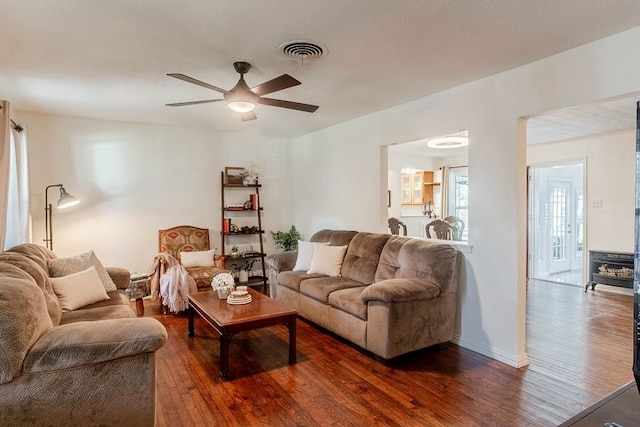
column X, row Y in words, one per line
column 572, row 277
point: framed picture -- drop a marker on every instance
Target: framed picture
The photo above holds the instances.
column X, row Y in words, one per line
column 232, row 175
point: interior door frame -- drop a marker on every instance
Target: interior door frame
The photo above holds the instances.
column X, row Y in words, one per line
column 530, row 250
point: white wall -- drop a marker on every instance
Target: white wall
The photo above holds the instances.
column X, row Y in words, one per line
column 135, row 179
column 337, row 162
column 610, row 178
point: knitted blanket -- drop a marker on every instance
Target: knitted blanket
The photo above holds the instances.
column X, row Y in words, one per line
column 171, row 281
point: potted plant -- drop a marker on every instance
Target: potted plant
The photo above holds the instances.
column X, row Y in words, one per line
column 234, row 251
column 244, row 174
column 287, row 240
column 244, row 269
column 249, row 176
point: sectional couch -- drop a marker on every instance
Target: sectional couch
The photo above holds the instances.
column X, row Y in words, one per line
column 91, row 366
column 394, row 294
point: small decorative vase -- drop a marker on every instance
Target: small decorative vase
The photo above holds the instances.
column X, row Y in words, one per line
column 223, row 293
column 243, row 276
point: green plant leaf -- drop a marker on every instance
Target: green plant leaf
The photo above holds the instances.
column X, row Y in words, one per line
column 287, row 240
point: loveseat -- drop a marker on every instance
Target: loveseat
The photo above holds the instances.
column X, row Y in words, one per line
column 94, row 365
column 393, row 294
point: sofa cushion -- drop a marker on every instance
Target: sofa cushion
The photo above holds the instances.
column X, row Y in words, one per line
column 79, row 289
column 37, row 253
column 64, row 266
column 33, row 268
column 28, row 265
column 90, row 313
column 197, row 258
column 54, row 308
column 327, row 260
column 116, row 307
column 361, row 261
column 321, row 287
column 305, row 254
column 334, row 237
column 349, row 301
column 292, row 279
column 406, row 258
column 204, row 275
column 23, row 318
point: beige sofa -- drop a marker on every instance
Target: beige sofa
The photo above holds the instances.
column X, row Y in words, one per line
column 394, row 294
column 91, row 366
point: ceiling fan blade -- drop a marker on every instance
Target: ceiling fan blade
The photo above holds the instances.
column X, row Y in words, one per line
column 288, row 104
column 283, row 82
column 196, row 82
column 180, row 104
column 245, row 117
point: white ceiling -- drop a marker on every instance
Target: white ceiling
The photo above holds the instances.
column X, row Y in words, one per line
column 109, row 59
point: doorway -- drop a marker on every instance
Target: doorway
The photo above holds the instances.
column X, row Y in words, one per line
column 556, row 223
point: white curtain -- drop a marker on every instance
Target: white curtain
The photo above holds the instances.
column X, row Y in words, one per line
column 14, row 180
column 444, row 191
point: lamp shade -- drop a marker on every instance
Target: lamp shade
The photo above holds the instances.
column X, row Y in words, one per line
column 66, row 200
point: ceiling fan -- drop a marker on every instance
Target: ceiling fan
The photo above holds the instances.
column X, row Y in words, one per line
column 243, row 99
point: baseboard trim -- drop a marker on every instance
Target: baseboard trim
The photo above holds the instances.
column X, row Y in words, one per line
column 517, row 361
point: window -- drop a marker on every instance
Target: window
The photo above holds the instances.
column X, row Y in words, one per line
column 458, row 196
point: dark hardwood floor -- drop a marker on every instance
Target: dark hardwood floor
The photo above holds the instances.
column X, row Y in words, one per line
column 579, row 345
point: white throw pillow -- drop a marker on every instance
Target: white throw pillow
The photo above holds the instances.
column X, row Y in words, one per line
column 79, row 289
column 305, row 254
column 60, row 267
column 197, row 258
column 327, row 260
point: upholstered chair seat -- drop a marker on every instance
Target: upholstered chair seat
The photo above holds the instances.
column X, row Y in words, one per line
column 193, row 241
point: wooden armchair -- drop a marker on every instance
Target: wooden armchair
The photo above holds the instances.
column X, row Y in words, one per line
column 185, row 238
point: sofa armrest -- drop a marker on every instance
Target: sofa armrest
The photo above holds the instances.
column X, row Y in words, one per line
column 120, row 276
column 283, row 261
column 88, row 343
column 396, row 290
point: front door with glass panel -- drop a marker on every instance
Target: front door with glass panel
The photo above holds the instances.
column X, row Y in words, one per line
column 560, row 226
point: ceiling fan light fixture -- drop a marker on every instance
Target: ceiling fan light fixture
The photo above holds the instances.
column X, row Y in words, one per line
column 240, row 102
column 241, row 106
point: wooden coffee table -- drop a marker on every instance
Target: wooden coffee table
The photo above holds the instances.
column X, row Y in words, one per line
column 229, row 320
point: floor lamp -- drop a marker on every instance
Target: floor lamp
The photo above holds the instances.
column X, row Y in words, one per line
column 66, row 201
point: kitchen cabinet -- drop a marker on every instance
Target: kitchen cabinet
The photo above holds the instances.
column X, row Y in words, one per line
column 418, row 188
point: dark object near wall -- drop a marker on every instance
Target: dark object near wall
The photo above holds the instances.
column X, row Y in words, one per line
column 610, row 268
column 636, row 271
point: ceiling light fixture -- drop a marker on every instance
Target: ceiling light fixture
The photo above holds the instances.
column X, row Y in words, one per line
column 241, row 106
column 240, row 99
column 456, row 140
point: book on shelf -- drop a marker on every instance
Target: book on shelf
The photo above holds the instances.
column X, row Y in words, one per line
column 226, row 225
column 254, row 201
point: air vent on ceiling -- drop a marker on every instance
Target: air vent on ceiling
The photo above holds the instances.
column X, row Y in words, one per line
column 303, row 50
